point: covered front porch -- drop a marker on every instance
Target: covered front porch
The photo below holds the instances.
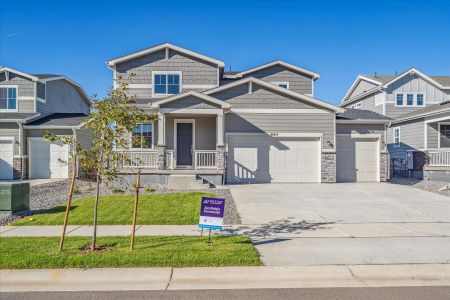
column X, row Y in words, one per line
column 188, row 136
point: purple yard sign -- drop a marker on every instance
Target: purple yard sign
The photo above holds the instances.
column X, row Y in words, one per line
column 211, row 213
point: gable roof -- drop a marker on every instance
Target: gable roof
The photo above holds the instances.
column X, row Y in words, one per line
column 6, row 69
column 271, row 64
column 383, row 81
column 276, row 88
column 355, row 84
column 15, row 117
column 113, row 62
column 426, row 111
column 207, row 98
column 61, row 120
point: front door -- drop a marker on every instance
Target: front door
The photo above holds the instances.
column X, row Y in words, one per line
column 184, row 144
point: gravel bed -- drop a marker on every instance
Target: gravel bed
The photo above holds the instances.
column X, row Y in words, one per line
column 430, row 186
column 49, row 195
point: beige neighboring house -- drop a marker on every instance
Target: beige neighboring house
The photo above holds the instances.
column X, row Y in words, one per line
column 260, row 125
column 30, row 105
column 418, row 107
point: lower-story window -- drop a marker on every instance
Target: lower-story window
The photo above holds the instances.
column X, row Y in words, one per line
column 397, row 137
column 444, row 136
column 142, row 136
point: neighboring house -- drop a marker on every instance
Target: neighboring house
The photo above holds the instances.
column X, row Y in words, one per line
column 258, row 125
column 418, row 135
column 30, row 105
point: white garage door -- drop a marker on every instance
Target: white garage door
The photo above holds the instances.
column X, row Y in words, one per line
column 48, row 160
column 356, row 159
column 6, row 159
column 263, row 159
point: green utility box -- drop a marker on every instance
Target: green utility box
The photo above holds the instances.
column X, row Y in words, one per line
column 14, row 197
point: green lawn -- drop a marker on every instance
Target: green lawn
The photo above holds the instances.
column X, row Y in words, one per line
column 153, row 209
column 150, row 251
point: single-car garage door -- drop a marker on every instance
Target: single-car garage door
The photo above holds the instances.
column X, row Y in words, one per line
column 356, row 159
column 6, row 158
column 254, row 159
column 47, row 160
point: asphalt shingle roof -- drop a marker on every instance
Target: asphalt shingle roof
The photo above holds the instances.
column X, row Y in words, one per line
column 360, row 114
column 15, row 116
column 426, row 110
column 59, row 119
column 45, row 76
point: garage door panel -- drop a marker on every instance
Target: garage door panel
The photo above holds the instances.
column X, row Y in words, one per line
column 356, row 159
column 6, row 159
column 274, row 160
column 48, row 160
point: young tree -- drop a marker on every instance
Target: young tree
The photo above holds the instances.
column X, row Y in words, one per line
column 111, row 121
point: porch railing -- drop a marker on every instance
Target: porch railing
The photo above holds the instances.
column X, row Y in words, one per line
column 205, row 158
column 439, row 158
column 135, row 159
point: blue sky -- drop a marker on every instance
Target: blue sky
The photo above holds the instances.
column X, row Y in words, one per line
column 337, row 39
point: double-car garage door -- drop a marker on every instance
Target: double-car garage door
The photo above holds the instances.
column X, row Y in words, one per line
column 256, row 159
column 357, row 159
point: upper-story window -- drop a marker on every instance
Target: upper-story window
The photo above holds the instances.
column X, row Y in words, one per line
column 419, row 99
column 397, row 136
column 166, row 83
column 358, row 105
column 399, row 100
column 8, row 98
column 142, row 137
column 412, row 99
column 284, row 85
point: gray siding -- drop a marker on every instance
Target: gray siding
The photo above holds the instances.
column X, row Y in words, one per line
column 432, row 135
column 261, row 97
column 11, row 130
column 361, row 87
column 368, row 103
column 84, row 137
column 362, row 129
column 413, row 84
column 25, row 88
column 40, row 133
column 205, row 132
column 194, row 71
column 283, row 123
column 189, row 102
column 411, row 138
column 298, row 82
column 62, row 97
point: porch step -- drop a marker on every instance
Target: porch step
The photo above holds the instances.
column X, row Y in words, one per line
column 186, row 182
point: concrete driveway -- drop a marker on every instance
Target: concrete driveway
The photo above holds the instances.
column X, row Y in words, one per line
column 351, row 223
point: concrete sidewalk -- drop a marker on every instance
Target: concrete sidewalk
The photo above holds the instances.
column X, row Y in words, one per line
column 224, row 278
column 257, row 232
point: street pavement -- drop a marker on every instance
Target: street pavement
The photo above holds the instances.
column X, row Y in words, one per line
column 385, row 293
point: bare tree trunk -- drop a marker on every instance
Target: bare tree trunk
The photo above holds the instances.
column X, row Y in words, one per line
column 94, row 233
column 136, row 201
column 66, row 216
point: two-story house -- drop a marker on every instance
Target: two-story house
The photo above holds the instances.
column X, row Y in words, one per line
column 258, row 125
column 418, row 109
column 30, row 105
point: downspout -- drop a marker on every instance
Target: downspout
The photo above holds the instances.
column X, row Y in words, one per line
column 20, row 124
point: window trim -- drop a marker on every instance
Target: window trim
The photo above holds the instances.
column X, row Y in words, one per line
column 358, row 105
column 399, row 135
column 17, row 98
column 277, row 83
column 439, row 134
column 405, row 99
column 154, row 73
column 153, row 139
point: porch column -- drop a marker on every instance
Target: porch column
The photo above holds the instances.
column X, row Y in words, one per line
column 220, row 146
column 161, row 143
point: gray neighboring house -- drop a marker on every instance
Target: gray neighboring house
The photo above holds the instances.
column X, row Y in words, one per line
column 418, row 133
column 255, row 126
column 30, row 105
